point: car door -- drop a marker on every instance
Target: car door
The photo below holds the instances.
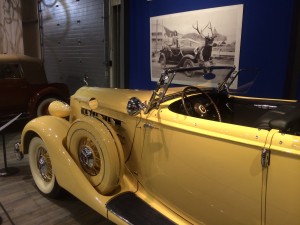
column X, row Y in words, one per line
column 283, row 185
column 210, row 171
column 14, row 91
column 175, row 54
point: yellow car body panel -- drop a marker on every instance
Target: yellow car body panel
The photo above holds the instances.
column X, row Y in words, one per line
column 171, row 169
column 282, row 202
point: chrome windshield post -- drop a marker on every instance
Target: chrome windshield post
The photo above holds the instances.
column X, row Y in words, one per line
column 161, row 89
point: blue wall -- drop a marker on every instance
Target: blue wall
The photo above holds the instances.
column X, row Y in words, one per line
column 265, row 43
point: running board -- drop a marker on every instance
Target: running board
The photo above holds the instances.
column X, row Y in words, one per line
column 134, row 210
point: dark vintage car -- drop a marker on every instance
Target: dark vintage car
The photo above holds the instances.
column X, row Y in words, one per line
column 24, row 87
column 186, row 53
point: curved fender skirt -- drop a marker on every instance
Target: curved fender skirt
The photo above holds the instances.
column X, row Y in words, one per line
column 134, row 210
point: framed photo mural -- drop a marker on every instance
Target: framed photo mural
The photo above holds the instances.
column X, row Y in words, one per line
column 201, row 37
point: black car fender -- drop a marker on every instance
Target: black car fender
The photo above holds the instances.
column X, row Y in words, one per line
column 58, row 92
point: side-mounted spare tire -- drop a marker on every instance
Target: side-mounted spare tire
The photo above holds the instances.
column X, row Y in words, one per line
column 96, row 149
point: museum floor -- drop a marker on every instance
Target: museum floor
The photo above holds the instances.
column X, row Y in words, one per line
column 22, row 204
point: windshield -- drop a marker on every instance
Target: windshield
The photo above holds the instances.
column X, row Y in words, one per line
column 224, row 75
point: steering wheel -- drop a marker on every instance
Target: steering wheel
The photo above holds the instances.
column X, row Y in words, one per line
column 201, row 109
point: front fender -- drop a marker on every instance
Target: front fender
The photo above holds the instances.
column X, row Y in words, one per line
column 50, row 128
column 53, row 131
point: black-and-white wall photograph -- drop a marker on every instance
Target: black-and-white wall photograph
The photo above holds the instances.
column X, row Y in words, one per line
column 208, row 37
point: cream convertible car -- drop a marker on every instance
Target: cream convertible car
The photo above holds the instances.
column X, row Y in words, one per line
column 175, row 155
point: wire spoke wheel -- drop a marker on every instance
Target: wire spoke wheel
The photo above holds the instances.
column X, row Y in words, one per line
column 44, row 164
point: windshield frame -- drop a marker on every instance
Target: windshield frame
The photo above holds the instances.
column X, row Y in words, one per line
column 168, row 75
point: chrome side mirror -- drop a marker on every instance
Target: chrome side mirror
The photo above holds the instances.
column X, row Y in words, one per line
column 134, row 106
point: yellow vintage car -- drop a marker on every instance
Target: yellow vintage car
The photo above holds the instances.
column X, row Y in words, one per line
column 175, row 155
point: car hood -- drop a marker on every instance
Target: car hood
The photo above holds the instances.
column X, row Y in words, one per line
column 110, row 98
column 113, row 98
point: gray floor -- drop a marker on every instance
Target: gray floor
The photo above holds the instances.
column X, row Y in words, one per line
column 22, row 204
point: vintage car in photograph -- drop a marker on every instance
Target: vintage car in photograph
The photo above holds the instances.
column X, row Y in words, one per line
column 24, row 87
column 185, row 53
column 175, row 155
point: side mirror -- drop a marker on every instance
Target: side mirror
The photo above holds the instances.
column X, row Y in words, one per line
column 134, row 106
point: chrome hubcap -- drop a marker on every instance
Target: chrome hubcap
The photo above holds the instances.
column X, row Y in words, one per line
column 89, row 157
column 44, row 165
column 86, row 157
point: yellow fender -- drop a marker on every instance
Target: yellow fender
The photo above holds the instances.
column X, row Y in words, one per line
column 52, row 130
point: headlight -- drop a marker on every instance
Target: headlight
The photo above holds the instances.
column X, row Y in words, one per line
column 59, row 109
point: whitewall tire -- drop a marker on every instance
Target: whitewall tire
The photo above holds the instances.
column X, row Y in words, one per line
column 41, row 168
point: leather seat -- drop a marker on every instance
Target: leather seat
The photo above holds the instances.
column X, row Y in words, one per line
column 283, row 118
